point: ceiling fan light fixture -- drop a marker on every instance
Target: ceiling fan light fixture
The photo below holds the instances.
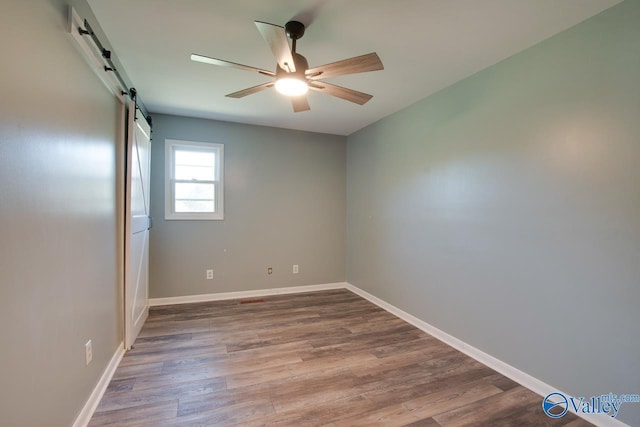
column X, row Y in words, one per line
column 291, row 86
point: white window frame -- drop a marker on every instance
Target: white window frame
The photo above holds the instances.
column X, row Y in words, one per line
column 169, row 180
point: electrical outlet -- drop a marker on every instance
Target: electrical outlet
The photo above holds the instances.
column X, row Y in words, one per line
column 269, row 270
column 209, row 274
column 88, row 352
column 295, row 269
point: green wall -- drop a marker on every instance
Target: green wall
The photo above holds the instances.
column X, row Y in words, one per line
column 284, row 205
column 505, row 209
column 58, row 222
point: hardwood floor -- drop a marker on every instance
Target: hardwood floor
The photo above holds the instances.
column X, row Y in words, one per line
column 325, row 358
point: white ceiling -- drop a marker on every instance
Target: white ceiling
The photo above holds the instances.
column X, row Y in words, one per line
column 425, row 45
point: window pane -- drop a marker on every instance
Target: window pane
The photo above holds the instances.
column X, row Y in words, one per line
column 197, row 158
column 194, row 191
column 195, row 165
column 189, row 172
column 183, row 206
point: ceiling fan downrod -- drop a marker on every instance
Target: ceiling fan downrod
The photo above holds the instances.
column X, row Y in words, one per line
column 295, row 31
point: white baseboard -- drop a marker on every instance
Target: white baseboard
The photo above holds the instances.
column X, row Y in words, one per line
column 522, row 378
column 154, row 302
column 92, row 403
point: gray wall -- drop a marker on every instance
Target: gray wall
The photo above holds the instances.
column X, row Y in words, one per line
column 284, row 205
column 58, row 284
column 505, row 210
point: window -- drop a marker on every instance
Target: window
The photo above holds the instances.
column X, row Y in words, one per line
column 194, row 180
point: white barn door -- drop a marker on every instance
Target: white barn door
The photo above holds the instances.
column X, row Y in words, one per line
column 137, row 225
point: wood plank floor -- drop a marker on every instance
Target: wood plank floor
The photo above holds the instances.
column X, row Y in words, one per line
column 325, row 358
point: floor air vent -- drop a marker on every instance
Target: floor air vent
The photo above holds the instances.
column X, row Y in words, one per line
column 251, row 301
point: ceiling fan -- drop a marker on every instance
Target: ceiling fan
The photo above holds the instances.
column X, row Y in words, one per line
column 293, row 77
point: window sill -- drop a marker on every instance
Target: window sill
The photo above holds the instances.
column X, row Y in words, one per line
column 194, row 217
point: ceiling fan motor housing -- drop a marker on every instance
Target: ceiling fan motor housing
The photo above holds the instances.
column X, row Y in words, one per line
column 301, row 64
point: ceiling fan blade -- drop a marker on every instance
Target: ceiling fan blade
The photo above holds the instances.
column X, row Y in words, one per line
column 276, row 38
column 250, row 91
column 358, row 64
column 300, row 103
column 223, row 63
column 341, row 92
